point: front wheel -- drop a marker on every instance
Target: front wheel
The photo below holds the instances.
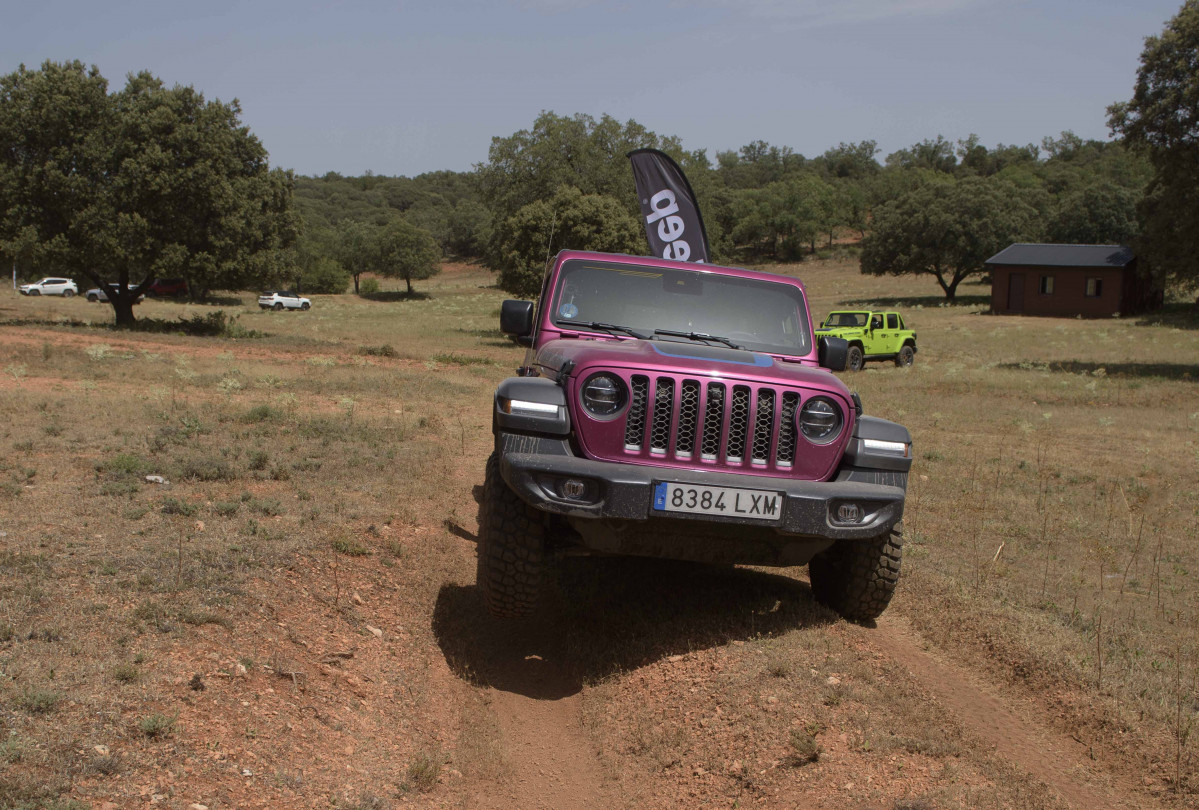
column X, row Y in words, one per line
column 857, row 578
column 855, row 360
column 511, row 548
column 304, row 306
column 906, row 356
column 93, row 298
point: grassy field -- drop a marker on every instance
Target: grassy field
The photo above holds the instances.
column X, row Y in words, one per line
column 290, row 620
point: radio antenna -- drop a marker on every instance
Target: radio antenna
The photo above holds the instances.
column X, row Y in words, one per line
column 549, row 244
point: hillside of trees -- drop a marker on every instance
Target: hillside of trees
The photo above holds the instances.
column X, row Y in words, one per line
column 565, row 182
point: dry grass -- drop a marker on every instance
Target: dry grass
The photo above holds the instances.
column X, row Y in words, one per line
column 1051, row 543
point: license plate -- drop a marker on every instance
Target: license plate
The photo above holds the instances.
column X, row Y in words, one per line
column 755, row 504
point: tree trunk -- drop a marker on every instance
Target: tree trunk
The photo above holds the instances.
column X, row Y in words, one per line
column 408, row 281
column 948, row 289
column 123, row 307
column 356, row 283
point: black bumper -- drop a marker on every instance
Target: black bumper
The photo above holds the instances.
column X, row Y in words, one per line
column 626, row 491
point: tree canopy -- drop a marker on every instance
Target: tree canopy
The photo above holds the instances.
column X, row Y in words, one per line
column 402, row 250
column 149, row 181
column 569, row 219
column 948, row 229
column 1162, row 121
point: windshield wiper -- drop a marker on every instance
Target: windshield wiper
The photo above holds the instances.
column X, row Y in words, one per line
column 700, row 336
column 612, row 327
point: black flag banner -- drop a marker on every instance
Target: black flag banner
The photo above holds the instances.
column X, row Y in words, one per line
column 672, row 222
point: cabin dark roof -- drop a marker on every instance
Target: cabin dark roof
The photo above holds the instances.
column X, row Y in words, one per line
column 1026, row 255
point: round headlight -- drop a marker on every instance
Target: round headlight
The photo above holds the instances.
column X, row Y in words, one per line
column 603, row 395
column 820, row 420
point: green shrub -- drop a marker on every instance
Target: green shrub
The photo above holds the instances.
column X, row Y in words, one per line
column 173, row 506
column 205, row 468
column 156, row 725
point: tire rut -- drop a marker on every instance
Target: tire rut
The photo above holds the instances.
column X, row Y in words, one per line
column 537, row 702
column 1058, row 761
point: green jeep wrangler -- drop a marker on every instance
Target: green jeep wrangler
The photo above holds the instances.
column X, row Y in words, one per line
column 871, row 336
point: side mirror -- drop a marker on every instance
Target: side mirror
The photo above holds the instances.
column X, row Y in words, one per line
column 833, row 353
column 516, row 319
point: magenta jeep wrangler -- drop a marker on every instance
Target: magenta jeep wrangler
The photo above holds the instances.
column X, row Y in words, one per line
column 684, row 411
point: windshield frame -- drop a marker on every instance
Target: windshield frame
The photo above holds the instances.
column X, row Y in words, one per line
column 862, row 312
column 795, row 292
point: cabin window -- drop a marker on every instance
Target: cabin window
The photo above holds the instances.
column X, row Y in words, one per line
column 1094, row 287
column 1046, row 285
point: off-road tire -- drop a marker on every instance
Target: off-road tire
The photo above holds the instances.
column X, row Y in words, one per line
column 857, row 578
column 511, row 548
column 855, row 360
column 906, row 356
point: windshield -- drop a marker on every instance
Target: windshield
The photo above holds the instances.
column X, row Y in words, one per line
column 846, row 319
column 759, row 315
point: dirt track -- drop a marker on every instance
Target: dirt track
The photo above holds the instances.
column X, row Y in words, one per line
column 556, row 765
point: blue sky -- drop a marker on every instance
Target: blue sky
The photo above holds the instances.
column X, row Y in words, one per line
column 401, row 88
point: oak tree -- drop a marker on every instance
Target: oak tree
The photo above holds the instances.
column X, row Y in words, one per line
column 1162, row 120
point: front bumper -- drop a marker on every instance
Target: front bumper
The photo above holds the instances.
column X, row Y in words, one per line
column 625, row 492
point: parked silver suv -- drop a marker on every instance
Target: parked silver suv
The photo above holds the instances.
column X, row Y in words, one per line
column 50, row 286
column 282, row 299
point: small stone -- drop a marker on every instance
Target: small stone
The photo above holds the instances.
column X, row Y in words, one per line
column 156, row 479
column 357, row 599
column 772, row 699
column 375, row 631
column 241, row 670
column 199, row 525
column 246, row 772
column 672, row 659
column 833, row 680
column 700, row 771
column 102, row 750
column 197, row 806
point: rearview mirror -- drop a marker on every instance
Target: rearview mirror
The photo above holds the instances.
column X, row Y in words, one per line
column 833, row 353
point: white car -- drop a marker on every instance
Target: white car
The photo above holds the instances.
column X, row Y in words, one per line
column 101, row 294
column 50, row 286
column 282, row 299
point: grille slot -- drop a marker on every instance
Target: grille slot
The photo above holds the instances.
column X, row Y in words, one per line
column 684, row 443
column 763, row 427
column 785, row 454
column 738, row 425
column 659, row 437
column 713, row 422
column 634, row 426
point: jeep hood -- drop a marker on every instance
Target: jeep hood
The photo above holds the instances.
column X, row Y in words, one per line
column 681, row 357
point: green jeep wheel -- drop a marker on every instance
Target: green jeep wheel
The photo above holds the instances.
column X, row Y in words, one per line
column 855, row 360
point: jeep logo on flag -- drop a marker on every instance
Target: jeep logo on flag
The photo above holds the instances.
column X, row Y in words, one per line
column 672, row 222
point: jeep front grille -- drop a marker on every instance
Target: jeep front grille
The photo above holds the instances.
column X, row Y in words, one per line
column 737, row 425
